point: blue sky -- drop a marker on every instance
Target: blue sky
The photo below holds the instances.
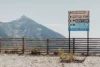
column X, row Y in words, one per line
column 52, row 13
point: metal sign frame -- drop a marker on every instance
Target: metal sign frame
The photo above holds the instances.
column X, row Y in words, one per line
column 79, row 15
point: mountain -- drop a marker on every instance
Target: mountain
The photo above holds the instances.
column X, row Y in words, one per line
column 26, row 27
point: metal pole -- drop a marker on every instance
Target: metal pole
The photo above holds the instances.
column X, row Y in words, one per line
column 73, row 45
column 69, row 41
column 69, row 28
column 47, row 46
column 0, row 45
column 88, row 39
column 23, row 46
column 87, row 43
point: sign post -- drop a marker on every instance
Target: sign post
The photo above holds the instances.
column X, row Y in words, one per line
column 69, row 30
column 79, row 21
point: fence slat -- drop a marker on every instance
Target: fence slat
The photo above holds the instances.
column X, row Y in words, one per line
column 82, row 45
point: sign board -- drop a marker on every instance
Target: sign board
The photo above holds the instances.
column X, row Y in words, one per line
column 78, row 20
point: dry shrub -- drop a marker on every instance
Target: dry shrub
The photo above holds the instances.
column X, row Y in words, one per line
column 60, row 52
column 55, row 53
column 66, row 57
column 36, row 51
column 12, row 51
column 7, row 51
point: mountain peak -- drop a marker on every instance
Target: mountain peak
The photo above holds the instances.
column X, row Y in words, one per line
column 28, row 28
column 24, row 17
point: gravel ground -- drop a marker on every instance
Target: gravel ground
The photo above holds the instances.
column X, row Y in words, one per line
column 44, row 61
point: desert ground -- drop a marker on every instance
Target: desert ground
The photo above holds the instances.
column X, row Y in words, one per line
column 7, row 60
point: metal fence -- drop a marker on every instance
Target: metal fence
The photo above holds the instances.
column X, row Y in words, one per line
column 51, row 45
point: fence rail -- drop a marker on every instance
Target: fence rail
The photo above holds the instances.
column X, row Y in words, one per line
column 50, row 45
